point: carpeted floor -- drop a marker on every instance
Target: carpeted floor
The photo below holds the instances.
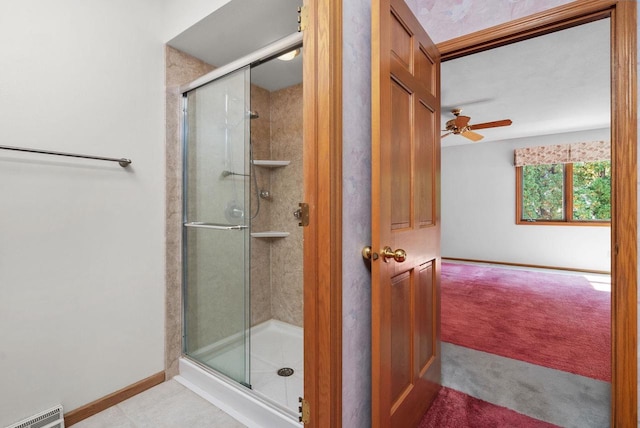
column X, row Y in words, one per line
column 453, row 409
column 553, row 320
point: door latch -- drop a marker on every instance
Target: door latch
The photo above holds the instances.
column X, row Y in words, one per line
column 302, row 214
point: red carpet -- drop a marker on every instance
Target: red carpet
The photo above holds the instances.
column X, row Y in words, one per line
column 553, row 320
column 453, row 409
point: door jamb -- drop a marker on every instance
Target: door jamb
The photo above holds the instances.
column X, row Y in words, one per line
column 322, row 95
column 624, row 114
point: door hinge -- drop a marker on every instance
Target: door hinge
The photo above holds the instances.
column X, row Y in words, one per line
column 302, row 214
column 303, row 18
column 305, row 411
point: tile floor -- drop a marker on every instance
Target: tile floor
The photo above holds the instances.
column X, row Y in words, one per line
column 274, row 345
column 168, row 405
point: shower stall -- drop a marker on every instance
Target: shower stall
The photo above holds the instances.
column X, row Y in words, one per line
column 242, row 280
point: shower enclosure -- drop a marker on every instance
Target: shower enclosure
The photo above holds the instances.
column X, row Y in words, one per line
column 216, row 229
column 242, row 246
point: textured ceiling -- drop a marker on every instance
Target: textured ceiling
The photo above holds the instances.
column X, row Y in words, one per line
column 556, row 83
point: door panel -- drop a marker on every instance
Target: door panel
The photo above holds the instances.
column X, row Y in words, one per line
column 401, row 41
column 400, row 343
column 424, row 166
column 425, row 323
column 401, row 157
column 405, row 215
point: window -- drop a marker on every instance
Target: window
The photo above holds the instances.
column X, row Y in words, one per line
column 575, row 189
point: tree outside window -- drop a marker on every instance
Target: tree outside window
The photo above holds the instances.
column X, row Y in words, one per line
column 578, row 192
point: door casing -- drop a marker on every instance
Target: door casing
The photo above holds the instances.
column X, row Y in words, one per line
column 322, row 100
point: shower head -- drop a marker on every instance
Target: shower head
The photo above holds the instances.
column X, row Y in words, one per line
column 253, row 114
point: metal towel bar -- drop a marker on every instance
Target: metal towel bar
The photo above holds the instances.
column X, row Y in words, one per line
column 216, row 226
column 122, row 161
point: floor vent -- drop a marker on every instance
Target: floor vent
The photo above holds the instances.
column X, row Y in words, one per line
column 52, row 418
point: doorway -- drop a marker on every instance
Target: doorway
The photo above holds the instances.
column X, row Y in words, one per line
column 624, row 186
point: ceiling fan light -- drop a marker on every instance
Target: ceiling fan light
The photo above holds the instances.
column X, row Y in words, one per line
column 289, row 55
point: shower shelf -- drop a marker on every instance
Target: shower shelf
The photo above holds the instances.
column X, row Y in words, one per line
column 269, row 234
column 271, row 163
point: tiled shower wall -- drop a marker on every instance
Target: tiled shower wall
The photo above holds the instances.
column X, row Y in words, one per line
column 276, row 264
column 260, row 248
column 180, row 68
column 287, row 191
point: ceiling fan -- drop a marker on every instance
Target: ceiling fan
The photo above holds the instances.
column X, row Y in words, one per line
column 460, row 126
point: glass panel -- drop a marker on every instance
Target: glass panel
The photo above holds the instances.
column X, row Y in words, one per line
column 543, row 192
column 216, row 197
column 592, row 191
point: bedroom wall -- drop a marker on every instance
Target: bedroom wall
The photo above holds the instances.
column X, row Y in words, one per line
column 478, row 210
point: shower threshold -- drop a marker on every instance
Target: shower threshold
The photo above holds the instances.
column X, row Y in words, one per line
column 235, row 400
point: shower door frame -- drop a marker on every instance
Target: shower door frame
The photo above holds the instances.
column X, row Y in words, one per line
column 244, row 333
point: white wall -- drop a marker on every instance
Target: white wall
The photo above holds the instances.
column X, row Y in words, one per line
column 478, row 210
column 81, row 242
column 182, row 14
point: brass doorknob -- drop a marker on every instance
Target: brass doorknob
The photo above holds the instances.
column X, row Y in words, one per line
column 368, row 254
column 398, row 255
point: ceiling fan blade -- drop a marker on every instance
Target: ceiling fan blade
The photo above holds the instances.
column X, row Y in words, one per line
column 473, row 136
column 446, row 135
column 461, row 121
column 497, row 123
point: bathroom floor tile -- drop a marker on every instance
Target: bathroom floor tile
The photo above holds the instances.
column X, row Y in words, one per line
column 113, row 417
column 168, row 405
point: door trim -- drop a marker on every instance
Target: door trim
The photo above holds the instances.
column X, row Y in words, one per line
column 322, row 94
column 624, row 114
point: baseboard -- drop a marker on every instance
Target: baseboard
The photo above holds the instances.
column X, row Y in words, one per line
column 81, row 413
column 603, row 272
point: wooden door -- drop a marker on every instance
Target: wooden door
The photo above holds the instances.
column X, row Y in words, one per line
column 405, row 216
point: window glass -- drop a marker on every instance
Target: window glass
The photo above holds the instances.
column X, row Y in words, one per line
column 592, row 191
column 543, row 192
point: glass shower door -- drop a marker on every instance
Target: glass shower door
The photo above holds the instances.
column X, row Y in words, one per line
column 216, row 225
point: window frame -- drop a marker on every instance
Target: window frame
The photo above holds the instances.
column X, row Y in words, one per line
column 568, row 203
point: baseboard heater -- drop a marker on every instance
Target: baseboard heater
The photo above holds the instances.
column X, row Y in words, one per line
column 52, row 418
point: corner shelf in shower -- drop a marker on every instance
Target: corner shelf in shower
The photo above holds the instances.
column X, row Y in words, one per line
column 271, row 163
column 269, row 234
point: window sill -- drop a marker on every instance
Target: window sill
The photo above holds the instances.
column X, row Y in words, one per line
column 563, row 223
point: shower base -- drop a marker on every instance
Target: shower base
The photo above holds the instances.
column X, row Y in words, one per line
column 273, row 399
